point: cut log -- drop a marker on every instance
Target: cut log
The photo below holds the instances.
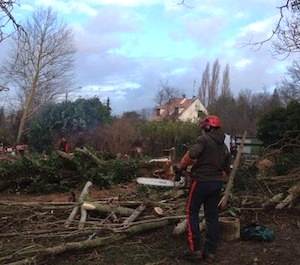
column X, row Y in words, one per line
column 287, row 200
column 88, row 206
column 294, row 192
column 158, row 211
column 83, row 216
column 180, row 228
column 83, row 194
column 88, row 153
column 68, row 156
column 108, row 208
column 273, row 201
column 135, row 214
column 229, row 228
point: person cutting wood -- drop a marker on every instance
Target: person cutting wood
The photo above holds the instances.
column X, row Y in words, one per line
column 210, row 160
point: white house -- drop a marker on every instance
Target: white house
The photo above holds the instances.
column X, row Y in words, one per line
column 183, row 109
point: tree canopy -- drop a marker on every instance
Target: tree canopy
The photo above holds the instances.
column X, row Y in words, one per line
column 62, row 119
column 279, row 124
column 40, row 63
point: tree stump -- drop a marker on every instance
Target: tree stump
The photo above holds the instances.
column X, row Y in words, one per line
column 229, row 228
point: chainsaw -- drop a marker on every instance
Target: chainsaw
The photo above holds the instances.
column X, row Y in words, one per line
column 179, row 180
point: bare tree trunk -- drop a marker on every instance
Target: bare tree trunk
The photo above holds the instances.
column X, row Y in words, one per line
column 40, row 65
column 27, row 107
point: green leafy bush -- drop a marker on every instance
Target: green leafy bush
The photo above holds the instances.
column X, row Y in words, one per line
column 64, row 119
column 30, row 174
column 34, row 174
column 279, row 124
column 166, row 134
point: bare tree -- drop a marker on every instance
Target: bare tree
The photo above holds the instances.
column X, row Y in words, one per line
column 288, row 29
column 166, row 93
column 243, row 112
column 225, row 107
column 289, row 89
column 6, row 17
column 117, row 137
column 225, row 87
column 215, row 77
column 205, row 84
column 145, row 113
column 40, row 65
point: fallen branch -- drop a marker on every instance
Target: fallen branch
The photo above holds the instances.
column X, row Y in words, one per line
column 83, row 194
column 283, row 179
column 88, row 153
column 135, row 214
column 294, row 192
column 92, row 243
column 83, row 216
column 236, row 162
column 273, row 201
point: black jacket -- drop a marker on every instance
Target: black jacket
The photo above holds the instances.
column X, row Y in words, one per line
column 212, row 155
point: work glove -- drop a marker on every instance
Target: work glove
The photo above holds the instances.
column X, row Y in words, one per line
column 186, row 161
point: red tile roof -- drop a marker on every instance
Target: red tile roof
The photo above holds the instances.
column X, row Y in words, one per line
column 181, row 103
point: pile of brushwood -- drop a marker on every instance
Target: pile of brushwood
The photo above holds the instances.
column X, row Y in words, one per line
column 273, row 177
column 59, row 171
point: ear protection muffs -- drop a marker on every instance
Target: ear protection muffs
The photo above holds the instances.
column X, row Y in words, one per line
column 206, row 128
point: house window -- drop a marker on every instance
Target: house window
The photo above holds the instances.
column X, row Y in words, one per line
column 199, row 113
column 157, row 112
column 176, row 110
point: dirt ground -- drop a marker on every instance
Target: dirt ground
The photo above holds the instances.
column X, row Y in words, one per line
column 19, row 221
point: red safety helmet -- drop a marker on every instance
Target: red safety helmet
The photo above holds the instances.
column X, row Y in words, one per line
column 211, row 121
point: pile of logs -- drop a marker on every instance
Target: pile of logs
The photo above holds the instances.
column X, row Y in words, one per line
column 283, row 191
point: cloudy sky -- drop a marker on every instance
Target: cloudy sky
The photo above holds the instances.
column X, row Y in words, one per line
column 126, row 48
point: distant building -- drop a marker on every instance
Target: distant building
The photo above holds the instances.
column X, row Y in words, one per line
column 183, row 109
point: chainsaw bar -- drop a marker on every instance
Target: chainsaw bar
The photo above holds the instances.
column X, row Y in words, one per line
column 156, row 182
